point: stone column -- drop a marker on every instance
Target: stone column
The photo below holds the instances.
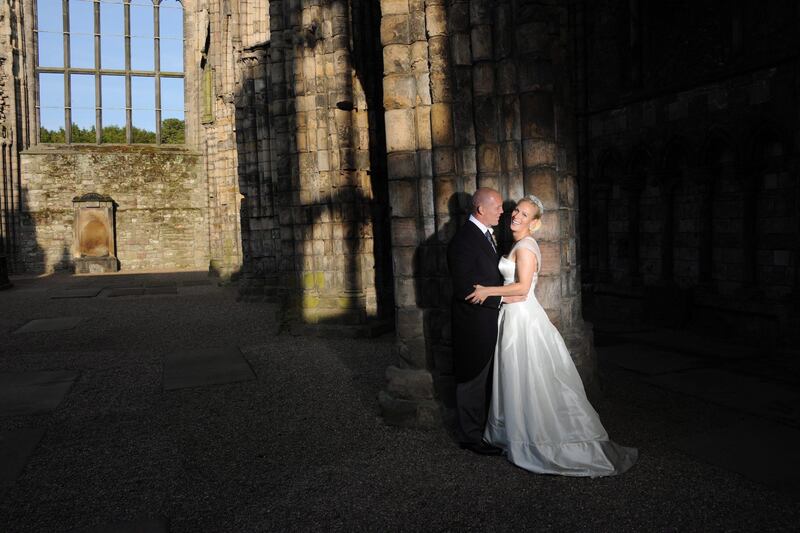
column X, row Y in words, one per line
column 408, row 398
column 496, row 111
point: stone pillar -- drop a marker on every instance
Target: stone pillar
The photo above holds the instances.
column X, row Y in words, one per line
column 409, row 398
column 218, row 139
column 476, row 93
column 15, row 120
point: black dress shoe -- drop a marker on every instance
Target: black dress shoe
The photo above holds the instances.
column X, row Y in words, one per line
column 481, row 448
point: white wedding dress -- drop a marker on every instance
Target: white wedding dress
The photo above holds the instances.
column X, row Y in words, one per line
column 539, row 413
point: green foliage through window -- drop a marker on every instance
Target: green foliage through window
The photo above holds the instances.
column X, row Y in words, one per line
column 172, row 132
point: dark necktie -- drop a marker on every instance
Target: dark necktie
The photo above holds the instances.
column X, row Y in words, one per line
column 491, row 241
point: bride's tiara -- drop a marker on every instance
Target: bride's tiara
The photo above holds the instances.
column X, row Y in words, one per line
column 538, row 203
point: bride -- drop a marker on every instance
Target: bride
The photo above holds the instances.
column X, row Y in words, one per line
column 539, row 412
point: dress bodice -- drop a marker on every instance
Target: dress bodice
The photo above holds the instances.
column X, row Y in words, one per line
column 508, row 264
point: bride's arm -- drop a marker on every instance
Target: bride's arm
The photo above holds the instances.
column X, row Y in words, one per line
column 526, row 266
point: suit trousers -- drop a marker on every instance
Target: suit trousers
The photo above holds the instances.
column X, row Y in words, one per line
column 472, row 404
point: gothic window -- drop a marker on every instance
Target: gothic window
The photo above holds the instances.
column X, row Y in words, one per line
column 110, row 71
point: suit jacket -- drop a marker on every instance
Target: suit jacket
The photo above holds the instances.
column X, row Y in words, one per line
column 472, row 260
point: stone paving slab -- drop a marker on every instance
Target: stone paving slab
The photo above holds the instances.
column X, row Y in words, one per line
column 125, row 291
column 15, row 449
column 765, row 452
column 25, row 393
column 143, row 525
column 645, row 360
column 50, row 324
column 196, row 368
column 160, row 283
column 161, row 290
column 751, row 394
column 89, row 292
column 196, row 282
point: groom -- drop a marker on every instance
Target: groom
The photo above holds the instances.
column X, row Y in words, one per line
column 472, row 258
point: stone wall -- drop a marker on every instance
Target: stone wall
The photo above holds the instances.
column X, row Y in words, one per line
column 306, row 134
column 159, row 193
column 692, row 162
column 162, row 193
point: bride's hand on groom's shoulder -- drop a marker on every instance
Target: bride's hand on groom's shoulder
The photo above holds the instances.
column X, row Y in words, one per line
column 478, row 295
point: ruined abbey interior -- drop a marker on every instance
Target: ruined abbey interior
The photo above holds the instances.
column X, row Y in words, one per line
column 320, row 153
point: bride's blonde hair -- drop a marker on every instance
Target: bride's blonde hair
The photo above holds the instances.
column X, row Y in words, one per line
column 537, row 217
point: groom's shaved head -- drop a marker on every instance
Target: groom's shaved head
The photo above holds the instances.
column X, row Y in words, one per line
column 483, row 196
column 487, row 206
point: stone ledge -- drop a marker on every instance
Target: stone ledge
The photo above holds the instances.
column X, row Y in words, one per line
column 50, row 149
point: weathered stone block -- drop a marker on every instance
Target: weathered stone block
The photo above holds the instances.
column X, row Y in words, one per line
column 399, row 91
column 538, row 153
column 483, row 79
column 460, row 49
column 396, row 58
column 424, row 133
column 402, row 165
column 543, row 182
column 443, row 161
column 400, row 130
column 416, row 24
column 566, row 190
column 413, row 352
column 441, row 125
column 481, row 39
column 403, row 259
column 489, row 158
column 548, row 289
column 395, row 29
column 445, row 190
column 409, row 322
column 550, row 229
column 467, row 160
column 511, row 157
column 532, row 37
column 458, row 17
column 535, row 74
column 551, row 257
column 436, row 16
column 537, row 115
column 394, row 7
column 404, row 198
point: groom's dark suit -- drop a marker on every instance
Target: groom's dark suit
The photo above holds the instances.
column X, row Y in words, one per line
column 472, row 260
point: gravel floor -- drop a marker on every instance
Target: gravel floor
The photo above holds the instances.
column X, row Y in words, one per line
column 302, row 447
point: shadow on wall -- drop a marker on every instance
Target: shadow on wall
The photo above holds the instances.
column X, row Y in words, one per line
column 29, row 257
column 433, row 292
column 433, row 289
column 312, row 151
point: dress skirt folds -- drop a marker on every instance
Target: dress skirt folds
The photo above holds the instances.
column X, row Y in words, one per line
column 539, row 412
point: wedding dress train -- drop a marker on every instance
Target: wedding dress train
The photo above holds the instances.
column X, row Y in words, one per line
column 539, row 412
